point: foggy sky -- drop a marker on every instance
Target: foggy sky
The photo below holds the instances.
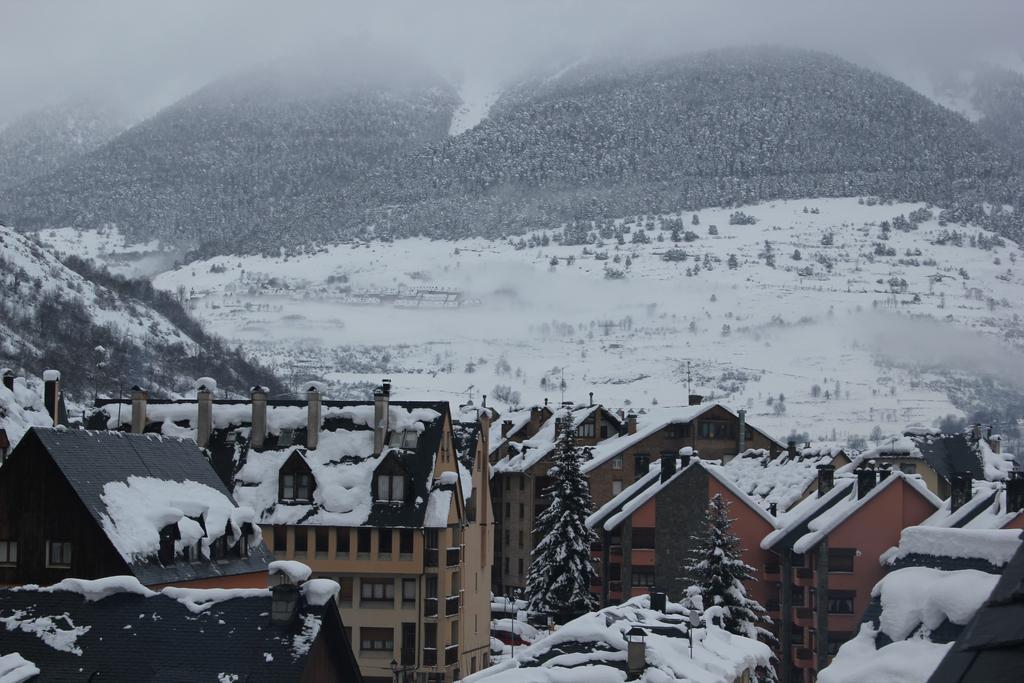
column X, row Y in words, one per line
column 148, row 53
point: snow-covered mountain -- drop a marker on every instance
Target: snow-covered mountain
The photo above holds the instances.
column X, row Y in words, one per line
column 294, row 158
column 44, row 141
column 826, row 317
column 100, row 329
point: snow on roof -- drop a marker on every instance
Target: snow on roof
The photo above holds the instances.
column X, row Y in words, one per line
column 915, row 602
column 947, row 454
column 319, row 592
column 622, row 506
column 342, row 466
column 594, row 646
column 519, row 419
column 783, row 479
column 823, row 524
column 140, row 507
column 16, row 669
column 995, row 546
column 522, row 456
column 439, row 504
column 807, row 509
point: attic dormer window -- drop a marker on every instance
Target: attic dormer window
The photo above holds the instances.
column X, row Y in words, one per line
column 391, row 488
column 404, row 439
column 284, row 439
column 296, row 487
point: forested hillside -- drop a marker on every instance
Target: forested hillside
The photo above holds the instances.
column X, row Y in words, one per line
column 287, row 157
column 247, row 153
column 720, row 128
column 46, row 140
column 101, row 329
column 999, row 97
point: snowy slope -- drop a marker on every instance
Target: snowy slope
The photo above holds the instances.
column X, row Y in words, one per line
column 840, row 344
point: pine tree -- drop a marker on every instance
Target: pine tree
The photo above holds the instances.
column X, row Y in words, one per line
column 717, row 571
column 559, row 579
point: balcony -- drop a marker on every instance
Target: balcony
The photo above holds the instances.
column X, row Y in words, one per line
column 451, row 605
column 429, row 656
column 430, row 607
column 452, row 557
column 615, row 586
column 772, row 606
column 451, row 655
column 771, row 569
column 430, row 557
column 804, row 573
column 803, row 613
column 804, row 654
column 408, row 656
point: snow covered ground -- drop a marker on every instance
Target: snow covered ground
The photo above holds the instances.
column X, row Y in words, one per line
column 851, row 333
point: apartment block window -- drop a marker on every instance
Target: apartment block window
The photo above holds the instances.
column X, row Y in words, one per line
column 616, row 487
column 408, row 591
column 301, row 540
column 522, row 483
column 363, row 541
column 321, row 536
column 908, row 468
column 522, row 511
column 380, row 590
column 431, row 539
column 8, row 553
column 716, row 429
column 643, row 538
column 345, row 595
column 455, row 633
column 341, row 543
column 58, row 554
column 841, row 602
column 506, row 565
column 404, row 439
column 841, row 559
column 836, row 639
column 799, row 597
column 586, row 429
column 508, row 510
column 520, row 566
column 508, row 537
column 508, row 483
column 405, row 542
column 280, row 539
column 376, row 639
column 431, row 586
column 520, row 538
column 385, row 538
column 430, row 635
column 617, row 462
column 641, row 464
column 643, row 577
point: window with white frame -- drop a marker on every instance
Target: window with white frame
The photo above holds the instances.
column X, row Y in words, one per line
column 391, row 488
column 58, row 554
column 586, row 429
column 617, row 462
column 8, row 553
column 404, row 439
column 296, row 486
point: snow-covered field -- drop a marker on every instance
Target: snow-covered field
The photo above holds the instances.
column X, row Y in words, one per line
column 820, row 330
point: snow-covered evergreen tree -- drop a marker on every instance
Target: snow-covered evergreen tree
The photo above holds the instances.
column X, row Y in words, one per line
column 717, row 571
column 559, row 579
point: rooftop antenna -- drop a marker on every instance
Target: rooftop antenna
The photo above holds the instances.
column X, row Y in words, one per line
column 561, row 382
column 688, row 392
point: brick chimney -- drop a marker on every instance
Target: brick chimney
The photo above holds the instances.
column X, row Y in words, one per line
column 506, row 427
column 7, row 377
column 696, row 399
column 313, row 404
column 668, row 467
column 960, row 490
column 204, row 421
column 866, row 480
column 51, row 394
column 631, row 423
column 381, row 414
column 741, row 438
column 685, row 454
column 976, row 432
column 536, row 417
column 258, row 428
column 139, row 400
column 791, row 448
column 1015, row 491
column 826, row 479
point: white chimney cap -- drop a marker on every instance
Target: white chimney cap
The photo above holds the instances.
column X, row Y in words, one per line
column 51, row 376
column 209, row 383
column 314, row 385
column 686, row 450
column 297, row 572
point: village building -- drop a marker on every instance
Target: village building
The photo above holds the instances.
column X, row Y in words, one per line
column 520, row 478
column 83, row 504
column 713, row 430
column 115, row 629
column 937, row 457
column 828, row 548
column 647, row 531
column 372, row 494
column 937, row 581
column 647, row 638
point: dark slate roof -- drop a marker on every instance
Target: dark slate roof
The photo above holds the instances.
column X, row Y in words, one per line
column 794, row 533
column 137, row 639
column 89, row 460
column 950, row 454
column 991, row 647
